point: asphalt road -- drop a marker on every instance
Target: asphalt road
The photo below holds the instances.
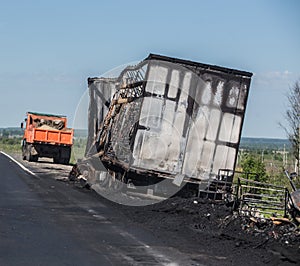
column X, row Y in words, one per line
column 47, row 222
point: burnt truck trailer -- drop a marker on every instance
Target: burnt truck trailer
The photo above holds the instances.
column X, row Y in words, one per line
column 165, row 118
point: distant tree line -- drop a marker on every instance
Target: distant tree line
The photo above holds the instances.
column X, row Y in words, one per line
column 6, row 132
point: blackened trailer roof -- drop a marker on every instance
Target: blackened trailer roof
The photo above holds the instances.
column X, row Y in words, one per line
column 201, row 65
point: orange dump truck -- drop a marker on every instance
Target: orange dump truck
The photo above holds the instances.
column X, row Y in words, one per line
column 47, row 135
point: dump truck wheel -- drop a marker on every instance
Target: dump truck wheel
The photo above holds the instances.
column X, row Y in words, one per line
column 28, row 153
column 34, row 158
column 60, row 160
column 65, row 160
column 31, row 158
column 24, row 148
column 56, row 159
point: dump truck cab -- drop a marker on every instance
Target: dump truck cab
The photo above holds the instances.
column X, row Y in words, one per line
column 47, row 135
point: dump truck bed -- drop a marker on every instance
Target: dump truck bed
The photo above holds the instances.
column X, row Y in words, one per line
column 51, row 136
column 48, row 129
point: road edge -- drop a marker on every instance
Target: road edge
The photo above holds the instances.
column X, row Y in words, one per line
column 19, row 164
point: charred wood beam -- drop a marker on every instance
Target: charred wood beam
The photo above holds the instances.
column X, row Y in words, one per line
column 132, row 85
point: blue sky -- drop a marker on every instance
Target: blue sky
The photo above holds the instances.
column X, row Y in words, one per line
column 49, row 48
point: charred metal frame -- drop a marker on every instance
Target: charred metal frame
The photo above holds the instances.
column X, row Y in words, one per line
column 113, row 102
column 257, row 198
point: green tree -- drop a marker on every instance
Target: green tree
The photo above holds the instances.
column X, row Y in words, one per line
column 254, row 168
column 292, row 118
column 5, row 134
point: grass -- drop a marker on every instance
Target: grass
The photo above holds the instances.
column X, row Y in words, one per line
column 78, row 150
column 10, row 145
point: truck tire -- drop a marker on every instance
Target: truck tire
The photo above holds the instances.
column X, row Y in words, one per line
column 63, row 156
column 24, row 149
column 67, row 155
column 56, row 159
column 34, row 158
column 29, row 156
column 28, row 153
column 65, row 160
column 60, row 160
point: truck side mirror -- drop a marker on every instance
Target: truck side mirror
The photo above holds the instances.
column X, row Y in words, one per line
column 22, row 125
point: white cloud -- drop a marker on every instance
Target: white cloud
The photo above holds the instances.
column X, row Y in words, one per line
column 275, row 79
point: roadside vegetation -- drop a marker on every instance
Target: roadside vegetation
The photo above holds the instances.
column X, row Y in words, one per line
column 10, row 144
column 268, row 163
column 265, row 157
column 78, row 149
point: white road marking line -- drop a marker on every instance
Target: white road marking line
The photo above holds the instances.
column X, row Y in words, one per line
column 164, row 260
column 98, row 216
column 19, row 164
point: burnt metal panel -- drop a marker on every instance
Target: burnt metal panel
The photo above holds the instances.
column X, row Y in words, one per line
column 171, row 116
column 101, row 91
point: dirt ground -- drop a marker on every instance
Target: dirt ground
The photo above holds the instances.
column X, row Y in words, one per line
column 208, row 231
